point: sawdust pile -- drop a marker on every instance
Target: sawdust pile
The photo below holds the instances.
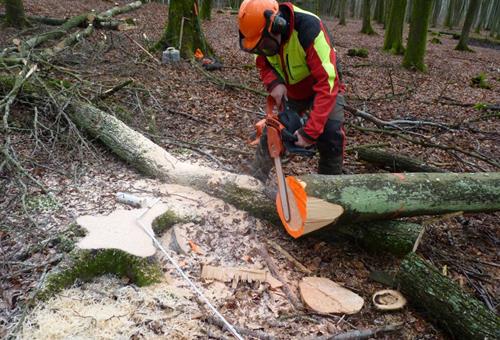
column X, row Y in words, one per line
column 107, row 309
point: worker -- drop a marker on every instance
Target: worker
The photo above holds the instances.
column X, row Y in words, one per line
column 298, row 66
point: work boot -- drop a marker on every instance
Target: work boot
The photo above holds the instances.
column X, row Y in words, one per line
column 330, row 165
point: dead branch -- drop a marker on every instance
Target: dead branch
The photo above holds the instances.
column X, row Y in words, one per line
column 289, row 257
column 446, row 148
column 275, row 272
column 187, row 115
column 362, row 333
column 396, row 124
column 243, row 331
column 223, row 83
column 113, row 90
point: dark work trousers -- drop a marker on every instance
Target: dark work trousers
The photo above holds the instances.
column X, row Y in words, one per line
column 330, row 144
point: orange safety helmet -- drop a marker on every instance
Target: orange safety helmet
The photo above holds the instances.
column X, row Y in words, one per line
column 252, row 21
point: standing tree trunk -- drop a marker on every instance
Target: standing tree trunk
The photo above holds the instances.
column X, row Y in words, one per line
column 483, row 15
column 387, row 12
column 206, row 10
column 393, row 41
column 417, row 38
column 436, row 10
column 187, row 32
column 14, row 13
column 449, row 14
column 367, row 25
column 379, row 11
column 343, row 12
column 469, row 20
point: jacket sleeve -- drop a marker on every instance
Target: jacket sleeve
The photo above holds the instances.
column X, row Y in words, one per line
column 321, row 60
column 267, row 74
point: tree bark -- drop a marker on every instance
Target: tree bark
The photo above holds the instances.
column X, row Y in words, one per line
column 367, row 25
column 483, row 15
column 457, row 312
column 393, row 40
column 448, row 21
column 192, row 36
column 206, row 10
column 370, row 197
column 436, row 10
column 343, row 12
column 469, row 20
column 392, row 162
column 417, row 39
column 14, row 13
column 394, row 237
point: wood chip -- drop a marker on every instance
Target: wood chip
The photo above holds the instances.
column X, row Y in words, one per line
column 325, row 296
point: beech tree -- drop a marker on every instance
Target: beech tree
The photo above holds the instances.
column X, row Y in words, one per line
column 206, row 10
column 393, row 40
column 417, row 38
column 343, row 11
column 183, row 29
column 367, row 25
column 469, row 20
column 14, row 13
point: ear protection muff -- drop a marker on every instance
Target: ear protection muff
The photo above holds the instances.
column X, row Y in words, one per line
column 275, row 22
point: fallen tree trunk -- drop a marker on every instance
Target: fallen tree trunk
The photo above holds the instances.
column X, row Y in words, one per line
column 457, row 312
column 363, row 197
column 394, row 162
column 369, row 197
column 395, row 237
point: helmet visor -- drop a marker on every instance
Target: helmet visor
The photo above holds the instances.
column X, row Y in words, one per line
column 266, row 46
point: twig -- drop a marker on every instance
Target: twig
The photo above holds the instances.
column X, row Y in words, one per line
column 113, row 90
column 274, row 270
column 244, row 331
column 289, row 257
column 142, row 48
column 362, row 333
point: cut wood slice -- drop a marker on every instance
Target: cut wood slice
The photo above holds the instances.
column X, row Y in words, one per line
column 388, row 299
column 325, row 296
column 307, row 214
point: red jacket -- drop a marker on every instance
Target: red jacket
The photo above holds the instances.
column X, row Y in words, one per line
column 306, row 64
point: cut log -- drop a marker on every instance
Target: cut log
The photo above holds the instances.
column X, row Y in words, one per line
column 394, row 162
column 370, row 197
column 457, row 312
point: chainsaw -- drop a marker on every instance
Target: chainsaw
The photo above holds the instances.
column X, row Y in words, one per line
column 280, row 139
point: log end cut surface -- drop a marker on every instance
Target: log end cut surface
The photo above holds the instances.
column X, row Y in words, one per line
column 307, row 214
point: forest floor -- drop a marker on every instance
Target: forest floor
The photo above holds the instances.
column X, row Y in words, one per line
column 197, row 119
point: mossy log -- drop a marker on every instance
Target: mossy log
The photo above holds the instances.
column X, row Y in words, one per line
column 445, row 303
column 394, row 237
column 394, row 162
column 370, row 197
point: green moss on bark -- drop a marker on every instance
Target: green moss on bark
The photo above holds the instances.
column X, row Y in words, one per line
column 393, row 39
column 417, row 39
